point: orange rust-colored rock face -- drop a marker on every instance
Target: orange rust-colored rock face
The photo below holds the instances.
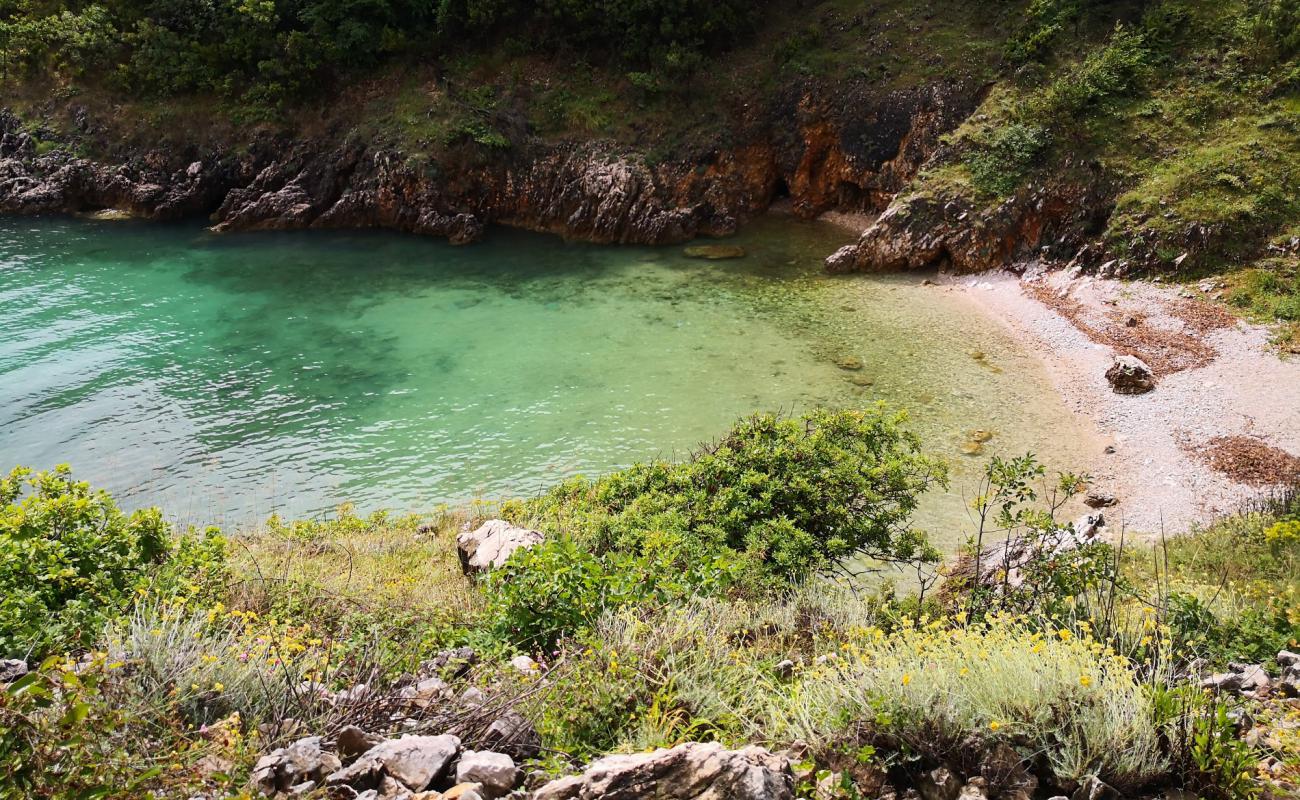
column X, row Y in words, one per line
column 851, row 153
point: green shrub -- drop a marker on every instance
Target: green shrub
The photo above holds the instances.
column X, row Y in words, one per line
column 61, row 736
column 1111, row 71
column 69, row 560
column 556, row 589
column 785, row 497
column 999, row 164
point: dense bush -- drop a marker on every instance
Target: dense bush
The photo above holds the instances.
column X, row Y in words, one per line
column 557, row 588
column 1000, row 163
column 787, row 497
column 267, row 51
column 71, row 560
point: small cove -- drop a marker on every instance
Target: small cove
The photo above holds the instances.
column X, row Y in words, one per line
column 226, row 377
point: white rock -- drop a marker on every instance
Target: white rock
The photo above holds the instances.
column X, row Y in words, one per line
column 496, row 772
column 526, row 665
column 492, row 543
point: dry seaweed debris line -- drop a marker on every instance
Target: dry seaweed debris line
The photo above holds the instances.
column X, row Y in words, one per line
column 1248, row 460
column 1164, row 351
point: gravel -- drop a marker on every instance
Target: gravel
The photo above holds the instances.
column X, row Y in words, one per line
column 1229, row 383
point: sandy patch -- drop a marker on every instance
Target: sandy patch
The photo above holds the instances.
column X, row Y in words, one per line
column 855, row 221
column 1183, row 452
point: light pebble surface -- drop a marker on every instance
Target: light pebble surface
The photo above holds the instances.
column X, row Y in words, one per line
column 1248, row 389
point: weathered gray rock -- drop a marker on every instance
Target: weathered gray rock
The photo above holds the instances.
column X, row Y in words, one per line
column 415, row 761
column 11, row 669
column 286, row 767
column 1130, row 375
column 514, row 735
column 939, row 784
column 353, row 741
column 1246, row 679
column 1286, row 658
column 426, row 692
column 492, row 543
column 1004, row 565
column 692, row 771
column 495, row 772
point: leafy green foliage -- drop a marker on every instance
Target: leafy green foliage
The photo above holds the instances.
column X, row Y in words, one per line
column 265, row 52
column 69, row 560
column 1000, row 164
column 556, row 589
column 59, row 737
column 788, row 497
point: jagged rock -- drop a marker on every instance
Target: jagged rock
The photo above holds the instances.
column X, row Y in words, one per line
column 298, row 763
column 415, row 761
column 514, row 735
column 451, row 664
column 472, row 697
column 853, row 148
column 1286, row 658
column 939, row 784
column 352, row 742
column 425, row 692
column 464, row 791
column 493, row 542
column 1098, row 499
column 692, row 771
column 923, row 230
column 495, row 772
column 11, row 669
column 1130, row 375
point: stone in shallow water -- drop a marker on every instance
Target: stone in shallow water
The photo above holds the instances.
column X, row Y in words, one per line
column 972, row 448
column 851, row 363
column 715, row 252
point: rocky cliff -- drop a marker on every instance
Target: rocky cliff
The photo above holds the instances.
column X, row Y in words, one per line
column 847, row 149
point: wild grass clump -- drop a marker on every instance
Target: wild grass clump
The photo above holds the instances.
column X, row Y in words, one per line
column 1055, row 693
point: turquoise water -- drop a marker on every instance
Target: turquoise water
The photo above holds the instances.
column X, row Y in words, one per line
column 224, row 377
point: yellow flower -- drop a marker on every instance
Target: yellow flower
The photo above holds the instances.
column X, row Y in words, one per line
column 994, row 725
column 907, row 678
column 1085, row 680
column 218, row 687
column 1064, row 634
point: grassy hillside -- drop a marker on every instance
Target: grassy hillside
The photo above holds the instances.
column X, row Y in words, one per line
column 1191, row 109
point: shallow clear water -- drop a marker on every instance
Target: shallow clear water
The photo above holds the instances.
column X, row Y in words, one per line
column 225, row 377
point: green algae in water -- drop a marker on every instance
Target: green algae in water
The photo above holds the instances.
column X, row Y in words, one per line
column 226, row 377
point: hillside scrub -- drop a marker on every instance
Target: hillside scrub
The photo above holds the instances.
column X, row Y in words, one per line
column 305, row 627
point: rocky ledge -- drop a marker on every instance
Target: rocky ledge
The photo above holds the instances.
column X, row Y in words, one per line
column 844, row 150
column 954, row 233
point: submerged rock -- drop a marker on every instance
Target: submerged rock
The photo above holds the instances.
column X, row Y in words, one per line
column 715, row 252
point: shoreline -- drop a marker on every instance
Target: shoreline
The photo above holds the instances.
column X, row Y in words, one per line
column 1158, row 471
